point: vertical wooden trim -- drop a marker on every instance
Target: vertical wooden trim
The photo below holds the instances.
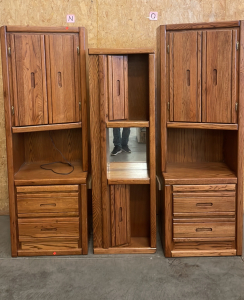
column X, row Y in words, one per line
column 110, row 88
column 84, row 212
column 171, row 80
column 126, row 86
column 199, row 75
column 168, row 225
column 44, row 83
column 240, row 170
column 95, row 151
column 204, row 76
column 152, row 150
column 78, row 116
column 49, row 87
column 9, row 144
column 163, row 96
column 112, row 207
column 84, row 95
column 103, row 99
column 234, row 78
column 14, row 74
column 128, row 227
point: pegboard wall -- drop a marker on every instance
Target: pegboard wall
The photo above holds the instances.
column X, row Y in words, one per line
column 110, row 24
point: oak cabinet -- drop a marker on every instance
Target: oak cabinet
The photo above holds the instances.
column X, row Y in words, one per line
column 45, row 99
column 45, row 78
column 122, row 85
column 200, row 137
column 203, row 77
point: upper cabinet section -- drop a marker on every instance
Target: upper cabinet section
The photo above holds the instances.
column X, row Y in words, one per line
column 202, row 75
column 45, row 76
column 28, row 79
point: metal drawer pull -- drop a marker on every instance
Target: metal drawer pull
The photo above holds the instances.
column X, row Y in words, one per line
column 203, row 229
column 204, row 204
column 48, row 204
column 49, row 229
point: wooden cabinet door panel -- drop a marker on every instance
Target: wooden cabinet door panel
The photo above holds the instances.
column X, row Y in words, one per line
column 219, row 76
column 120, row 214
column 118, row 87
column 185, row 76
column 62, row 74
column 29, row 79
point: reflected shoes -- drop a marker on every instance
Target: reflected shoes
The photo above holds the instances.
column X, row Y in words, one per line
column 126, row 149
column 116, row 150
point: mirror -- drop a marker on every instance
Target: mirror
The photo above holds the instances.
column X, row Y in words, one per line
column 133, row 141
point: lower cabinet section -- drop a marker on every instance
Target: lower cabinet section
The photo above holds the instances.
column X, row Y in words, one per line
column 199, row 220
column 52, row 220
column 131, row 227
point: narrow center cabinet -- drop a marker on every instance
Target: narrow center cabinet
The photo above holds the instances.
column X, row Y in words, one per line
column 201, row 137
column 122, row 95
column 45, row 97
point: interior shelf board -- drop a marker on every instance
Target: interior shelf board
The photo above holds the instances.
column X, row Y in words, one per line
column 202, row 125
column 137, row 245
column 121, row 51
column 128, row 173
column 47, row 127
column 198, row 173
column 32, row 174
column 120, row 124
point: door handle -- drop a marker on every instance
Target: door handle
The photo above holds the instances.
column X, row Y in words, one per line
column 32, row 79
column 59, row 79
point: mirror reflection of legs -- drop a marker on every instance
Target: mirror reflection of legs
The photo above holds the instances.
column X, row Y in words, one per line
column 127, row 144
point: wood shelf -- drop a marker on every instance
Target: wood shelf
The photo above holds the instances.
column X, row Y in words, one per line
column 137, row 245
column 202, row 125
column 47, row 127
column 122, row 124
column 121, row 51
column 32, row 174
column 128, row 173
column 198, row 173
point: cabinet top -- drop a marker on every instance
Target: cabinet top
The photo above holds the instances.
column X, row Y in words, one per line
column 125, row 51
column 207, row 25
column 14, row 28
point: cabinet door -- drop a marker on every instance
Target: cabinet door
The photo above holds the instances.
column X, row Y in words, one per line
column 63, row 77
column 29, row 79
column 118, row 87
column 184, row 76
column 120, row 214
column 219, row 93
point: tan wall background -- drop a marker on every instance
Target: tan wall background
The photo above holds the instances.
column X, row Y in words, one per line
column 110, row 24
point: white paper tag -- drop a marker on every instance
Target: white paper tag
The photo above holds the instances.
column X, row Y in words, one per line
column 70, row 18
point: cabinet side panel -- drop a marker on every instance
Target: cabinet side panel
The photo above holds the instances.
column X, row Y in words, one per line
column 239, row 216
column 6, row 93
column 95, row 151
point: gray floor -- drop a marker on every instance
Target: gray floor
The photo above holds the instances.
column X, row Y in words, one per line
column 117, row 276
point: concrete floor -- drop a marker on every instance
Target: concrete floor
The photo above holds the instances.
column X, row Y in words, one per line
column 116, row 277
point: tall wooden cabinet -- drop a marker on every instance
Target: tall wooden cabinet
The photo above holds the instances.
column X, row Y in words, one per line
column 122, row 94
column 201, row 137
column 45, row 97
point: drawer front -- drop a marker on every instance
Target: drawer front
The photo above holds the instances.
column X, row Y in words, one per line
column 41, row 201
column 205, row 204
column 202, row 231
column 53, row 244
column 48, row 228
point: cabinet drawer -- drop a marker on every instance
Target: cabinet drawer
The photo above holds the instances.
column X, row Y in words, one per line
column 43, row 201
column 183, row 204
column 48, row 228
column 203, row 231
column 204, row 188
